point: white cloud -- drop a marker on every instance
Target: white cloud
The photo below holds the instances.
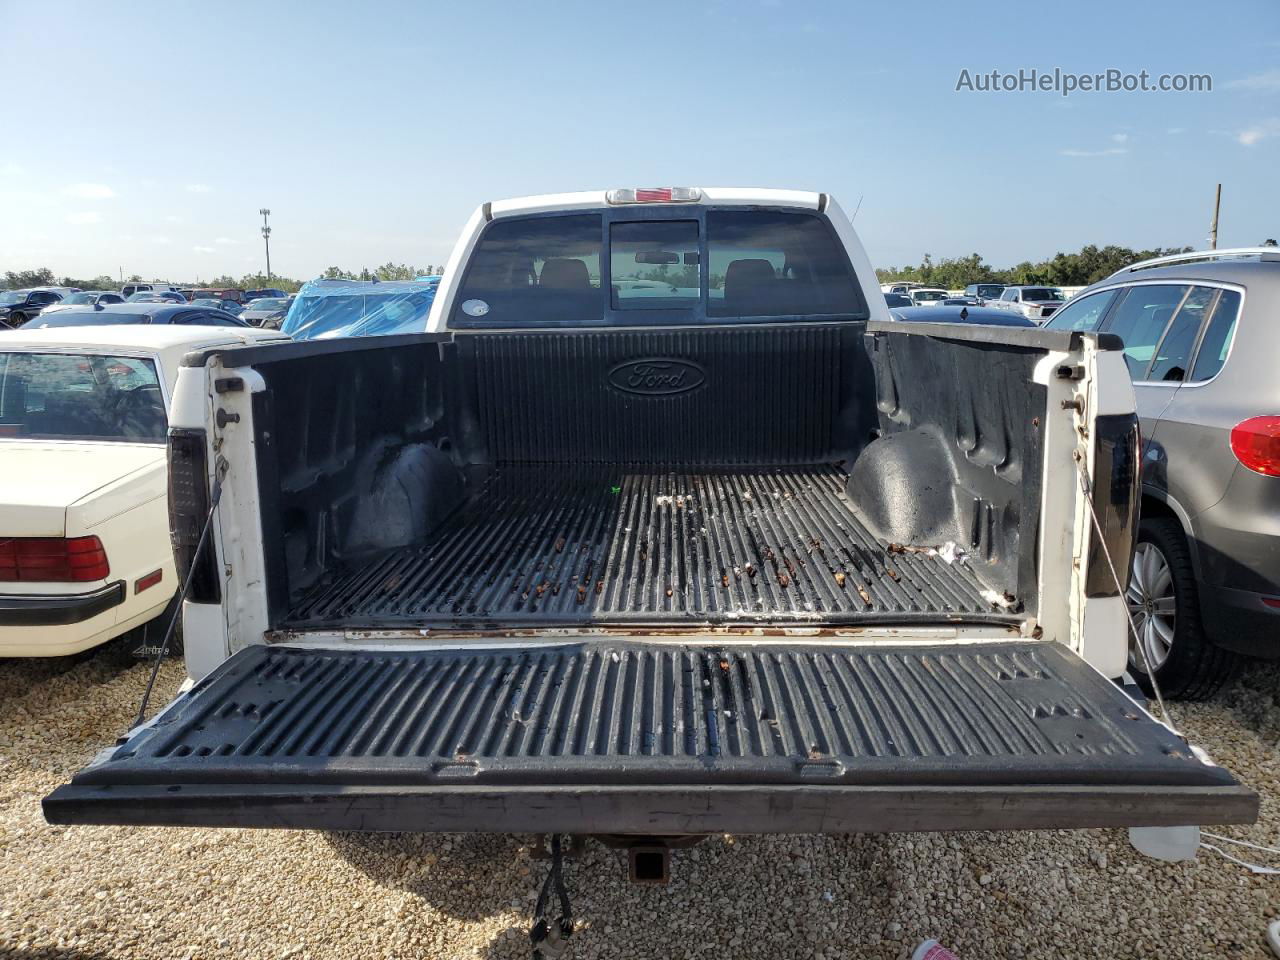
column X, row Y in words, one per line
column 163, row 241
column 1267, row 80
column 198, row 188
column 87, row 216
column 1255, row 134
column 1109, row 152
column 172, row 219
column 1119, row 137
column 1173, row 131
column 89, row 191
column 225, row 241
column 204, row 249
column 10, row 169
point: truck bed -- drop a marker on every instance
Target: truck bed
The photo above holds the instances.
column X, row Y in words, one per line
column 576, row 544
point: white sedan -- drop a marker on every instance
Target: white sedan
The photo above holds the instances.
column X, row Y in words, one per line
column 84, row 526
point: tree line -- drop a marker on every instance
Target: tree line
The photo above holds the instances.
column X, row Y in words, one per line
column 44, row 277
column 1089, row 265
column 388, row 271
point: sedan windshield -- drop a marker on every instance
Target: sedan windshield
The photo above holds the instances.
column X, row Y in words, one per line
column 12, row 296
column 1040, row 293
column 66, row 396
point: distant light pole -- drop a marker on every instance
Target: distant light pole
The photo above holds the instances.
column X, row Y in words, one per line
column 266, row 239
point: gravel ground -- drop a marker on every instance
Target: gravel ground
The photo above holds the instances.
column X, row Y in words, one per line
column 111, row 892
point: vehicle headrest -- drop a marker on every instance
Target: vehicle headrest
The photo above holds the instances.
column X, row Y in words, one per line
column 1160, row 317
column 564, row 273
column 745, row 277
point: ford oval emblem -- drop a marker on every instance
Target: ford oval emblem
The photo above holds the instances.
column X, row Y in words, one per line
column 657, row 376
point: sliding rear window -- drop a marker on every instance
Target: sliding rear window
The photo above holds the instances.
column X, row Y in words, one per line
column 629, row 266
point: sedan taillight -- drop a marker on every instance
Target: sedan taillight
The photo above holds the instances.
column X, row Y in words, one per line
column 52, row 560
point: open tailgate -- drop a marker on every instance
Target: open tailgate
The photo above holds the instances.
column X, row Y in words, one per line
column 655, row 738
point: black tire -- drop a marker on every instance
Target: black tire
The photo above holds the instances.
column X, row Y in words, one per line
column 1195, row 667
column 17, row 319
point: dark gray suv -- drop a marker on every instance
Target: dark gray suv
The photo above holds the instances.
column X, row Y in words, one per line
column 1202, row 344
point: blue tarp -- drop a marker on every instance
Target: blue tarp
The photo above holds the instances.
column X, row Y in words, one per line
column 359, row 308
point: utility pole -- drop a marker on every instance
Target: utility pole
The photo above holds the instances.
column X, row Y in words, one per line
column 1213, row 227
column 121, row 269
column 266, row 239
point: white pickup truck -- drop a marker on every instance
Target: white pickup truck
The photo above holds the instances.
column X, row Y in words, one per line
column 740, row 556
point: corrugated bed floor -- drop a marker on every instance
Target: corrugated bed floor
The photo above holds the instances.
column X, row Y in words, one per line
column 568, row 544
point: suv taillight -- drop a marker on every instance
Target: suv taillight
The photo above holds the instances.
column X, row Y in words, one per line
column 188, row 509
column 52, row 560
column 1256, row 444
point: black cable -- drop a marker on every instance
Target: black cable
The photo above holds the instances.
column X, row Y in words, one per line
column 182, row 594
column 548, row 940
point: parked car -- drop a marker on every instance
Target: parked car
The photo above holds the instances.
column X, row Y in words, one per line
column 222, row 293
column 1034, row 303
column 324, row 309
column 224, row 305
column 900, row 286
column 129, row 289
column 266, row 312
column 897, row 300
column 455, row 581
column 84, row 527
column 962, row 314
column 927, row 296
column 984, row 291
column 157, row 296
column 1201, row 343
column 19, row 306
column 960, row 302
column 132, row 313
column 268, row 292
column 85, row 298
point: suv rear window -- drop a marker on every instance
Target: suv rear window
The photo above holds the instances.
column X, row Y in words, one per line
column 1216, row 343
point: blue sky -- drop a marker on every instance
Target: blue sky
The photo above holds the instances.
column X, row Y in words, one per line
column 147, row 136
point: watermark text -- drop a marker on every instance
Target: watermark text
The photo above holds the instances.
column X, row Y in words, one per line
column 1065, row 82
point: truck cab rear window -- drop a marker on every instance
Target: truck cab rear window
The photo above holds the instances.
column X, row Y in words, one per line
column 764, row 264
column 757, row 264
column 532, row 271
column 654, row 265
